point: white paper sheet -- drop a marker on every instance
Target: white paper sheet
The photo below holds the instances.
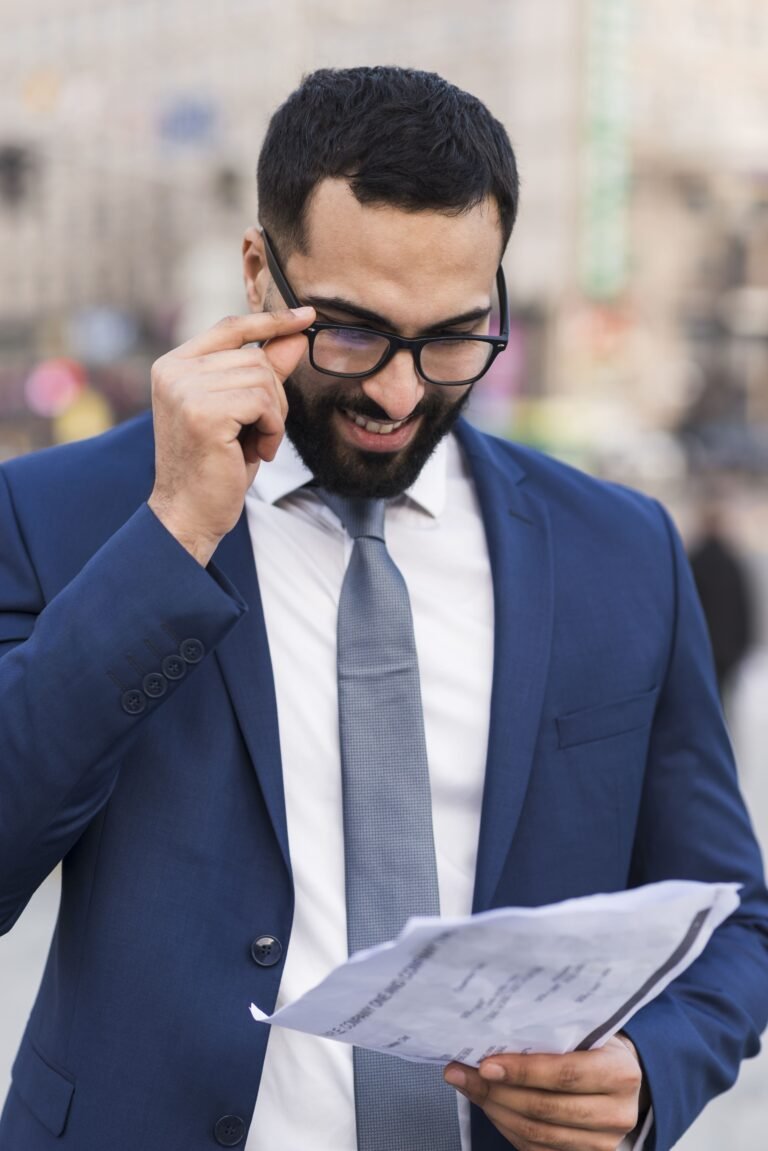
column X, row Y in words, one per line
column 556, row 978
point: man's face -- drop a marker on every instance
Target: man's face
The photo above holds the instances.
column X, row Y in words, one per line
column 409, row 273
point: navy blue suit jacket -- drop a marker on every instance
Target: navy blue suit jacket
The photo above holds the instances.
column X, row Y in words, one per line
column 608, row 767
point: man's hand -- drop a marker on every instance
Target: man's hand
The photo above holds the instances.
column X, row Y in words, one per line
column 585, row 1101
column 219, row 410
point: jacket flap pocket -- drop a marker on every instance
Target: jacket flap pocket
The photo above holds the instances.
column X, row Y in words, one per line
column 46, row 1092
column 606, row 720
column 16, row 625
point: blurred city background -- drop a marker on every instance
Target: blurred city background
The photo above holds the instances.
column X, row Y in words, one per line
column 129, row 131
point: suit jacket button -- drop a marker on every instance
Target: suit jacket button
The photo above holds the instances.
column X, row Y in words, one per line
column 191, row 650
column 155, row 685
column 266, row 951
column 174, row 667
column 229, row 1131
column 133, row 702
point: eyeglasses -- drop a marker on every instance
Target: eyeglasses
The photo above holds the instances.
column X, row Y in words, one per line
column 345, row 351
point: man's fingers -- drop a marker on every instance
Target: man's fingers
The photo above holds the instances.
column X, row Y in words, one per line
column 610, row 1069
column 548, row 1072
column 234, row 331
column 236, row 379
column 548, row 1120
column 607, row 1113
column 284, row 354
column 526, row 1133
column 255, row 383
column 258, row 444
column 231, row 411
column 249, row 356
column 584, row 1101
column 468, row 1081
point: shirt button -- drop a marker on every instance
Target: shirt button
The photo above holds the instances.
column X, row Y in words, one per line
column 155, row 685
column 266, row 951
column 191, row 650
column 133, row 702
column 229, row 1131
column 174, row 667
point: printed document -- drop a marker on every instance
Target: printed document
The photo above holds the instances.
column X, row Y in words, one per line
column 559, row 978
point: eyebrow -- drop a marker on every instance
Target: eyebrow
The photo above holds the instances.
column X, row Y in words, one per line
column 339, row 304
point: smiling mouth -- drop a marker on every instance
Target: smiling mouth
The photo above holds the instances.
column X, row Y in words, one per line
column 377, row 426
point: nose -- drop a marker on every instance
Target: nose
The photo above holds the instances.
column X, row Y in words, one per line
column 397, row 388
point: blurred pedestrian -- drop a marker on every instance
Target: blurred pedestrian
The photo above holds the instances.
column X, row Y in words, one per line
column 724, row 585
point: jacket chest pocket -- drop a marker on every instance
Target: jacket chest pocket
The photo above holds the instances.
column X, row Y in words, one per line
column 606, row 721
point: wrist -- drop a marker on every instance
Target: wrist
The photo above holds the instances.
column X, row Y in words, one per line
column 200, row 545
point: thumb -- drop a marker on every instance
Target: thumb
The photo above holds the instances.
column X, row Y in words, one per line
column 284, row 353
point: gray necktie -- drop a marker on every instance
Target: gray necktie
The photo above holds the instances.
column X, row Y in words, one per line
column 388, row 844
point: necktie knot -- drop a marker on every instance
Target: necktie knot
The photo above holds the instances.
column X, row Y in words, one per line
column 360, row 517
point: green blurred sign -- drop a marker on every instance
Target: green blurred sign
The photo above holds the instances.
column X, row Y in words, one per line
column 604, row 256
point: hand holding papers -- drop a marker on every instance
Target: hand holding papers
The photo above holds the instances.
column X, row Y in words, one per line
column 549, row 979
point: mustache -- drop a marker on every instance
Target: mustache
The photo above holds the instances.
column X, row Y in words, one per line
column 367, row 408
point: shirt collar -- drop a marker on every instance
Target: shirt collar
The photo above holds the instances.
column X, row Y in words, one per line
column 287, row 473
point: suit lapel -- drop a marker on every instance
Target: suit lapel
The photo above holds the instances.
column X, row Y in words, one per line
column 247, row 669
column 517, row 530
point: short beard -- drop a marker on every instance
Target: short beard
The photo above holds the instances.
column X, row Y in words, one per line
column 349, row 471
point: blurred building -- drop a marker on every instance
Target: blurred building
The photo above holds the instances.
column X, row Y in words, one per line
column 129, row 131
column 700, row 220
column 128, row 138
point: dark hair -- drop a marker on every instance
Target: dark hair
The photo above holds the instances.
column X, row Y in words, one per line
column 399, row 136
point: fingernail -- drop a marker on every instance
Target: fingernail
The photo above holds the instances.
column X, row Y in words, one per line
column 492, row 1071
column 456, row 1078
column 303, row 313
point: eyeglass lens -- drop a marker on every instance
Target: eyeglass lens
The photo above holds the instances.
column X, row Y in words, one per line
column 352, row 351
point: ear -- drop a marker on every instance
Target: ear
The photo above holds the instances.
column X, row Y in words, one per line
column 255, row 270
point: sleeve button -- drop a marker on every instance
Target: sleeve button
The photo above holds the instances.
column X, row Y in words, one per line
column 155, row 685
column 191, row 650
column 133, row 702
column 174, row 667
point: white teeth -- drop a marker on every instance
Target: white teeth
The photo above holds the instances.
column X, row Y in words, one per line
column 373, row 425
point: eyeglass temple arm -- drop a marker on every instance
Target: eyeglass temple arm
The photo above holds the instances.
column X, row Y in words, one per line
column 283, row 287
column 501, row 288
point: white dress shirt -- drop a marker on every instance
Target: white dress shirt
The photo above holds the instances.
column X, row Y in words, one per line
column 435, row 535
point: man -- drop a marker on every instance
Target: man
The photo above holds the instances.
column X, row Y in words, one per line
column 169, row 688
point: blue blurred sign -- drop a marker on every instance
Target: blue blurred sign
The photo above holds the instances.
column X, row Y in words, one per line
column 100, row 335
column 189, row 120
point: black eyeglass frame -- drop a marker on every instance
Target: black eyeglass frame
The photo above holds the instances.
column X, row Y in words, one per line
column 396, row 343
